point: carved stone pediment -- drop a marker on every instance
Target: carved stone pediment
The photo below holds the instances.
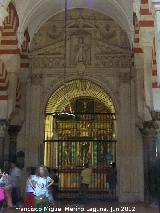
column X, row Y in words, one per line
column 53, row 49
column 79, row 20
column 93, row 40
column 103, row 48
column 48, row 57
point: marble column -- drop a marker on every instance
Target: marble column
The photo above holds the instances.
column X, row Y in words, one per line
column 3, row 130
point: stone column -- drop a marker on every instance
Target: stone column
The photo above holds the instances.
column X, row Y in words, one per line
column 13, row 132
column 150, row 135
column 3, row 130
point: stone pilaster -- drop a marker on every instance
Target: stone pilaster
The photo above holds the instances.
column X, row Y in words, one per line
column 129, row 146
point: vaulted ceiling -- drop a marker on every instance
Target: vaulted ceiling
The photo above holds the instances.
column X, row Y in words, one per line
column 33, row 13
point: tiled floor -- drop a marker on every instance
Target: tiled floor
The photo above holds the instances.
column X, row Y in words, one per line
column 97, row 207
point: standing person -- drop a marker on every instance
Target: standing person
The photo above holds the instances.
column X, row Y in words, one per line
column 112, row 179
column 86, row 175
column 8, row 189
column 15, row 180
column 2, row 193
column 56, row 180
column 42, row 184
column 30, row 187
column 50, row 194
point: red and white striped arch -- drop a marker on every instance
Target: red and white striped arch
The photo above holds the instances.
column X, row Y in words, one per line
column 24, row 52
column 137, row 46
column 9, row 46
column 3, row 82
column 146, row 21
column 9, row 32
column 154, row 67
column 3, row 91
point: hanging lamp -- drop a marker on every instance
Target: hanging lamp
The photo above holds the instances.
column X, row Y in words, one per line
column 65, row 115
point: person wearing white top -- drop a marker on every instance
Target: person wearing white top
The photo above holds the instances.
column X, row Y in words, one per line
column 30, row 184
column 41, row 186
column 42, row 183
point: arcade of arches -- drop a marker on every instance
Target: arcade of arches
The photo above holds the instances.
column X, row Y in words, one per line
column 112, row 86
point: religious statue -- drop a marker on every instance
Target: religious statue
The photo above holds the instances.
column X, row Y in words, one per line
column 100, row 153
column 81, row 50
column 66, row 157
column 84, row 126
column 84, row 152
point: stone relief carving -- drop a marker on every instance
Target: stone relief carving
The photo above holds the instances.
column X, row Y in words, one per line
column 80, row 50
column 93, row 40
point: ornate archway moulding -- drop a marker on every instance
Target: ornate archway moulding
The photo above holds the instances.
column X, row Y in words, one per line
column 74, row 89
column 57, row 83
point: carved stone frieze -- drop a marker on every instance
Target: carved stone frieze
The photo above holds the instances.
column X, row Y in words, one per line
column 47, row 62
column 112, row 61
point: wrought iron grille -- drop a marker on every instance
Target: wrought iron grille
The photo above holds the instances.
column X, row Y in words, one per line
column 69, row 144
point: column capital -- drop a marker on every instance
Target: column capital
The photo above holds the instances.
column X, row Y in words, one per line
column 150, row 129
column 14, row 129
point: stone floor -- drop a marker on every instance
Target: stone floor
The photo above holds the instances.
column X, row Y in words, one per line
column 96, row 207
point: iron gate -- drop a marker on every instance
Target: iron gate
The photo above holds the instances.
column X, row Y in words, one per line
column 69, row 144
